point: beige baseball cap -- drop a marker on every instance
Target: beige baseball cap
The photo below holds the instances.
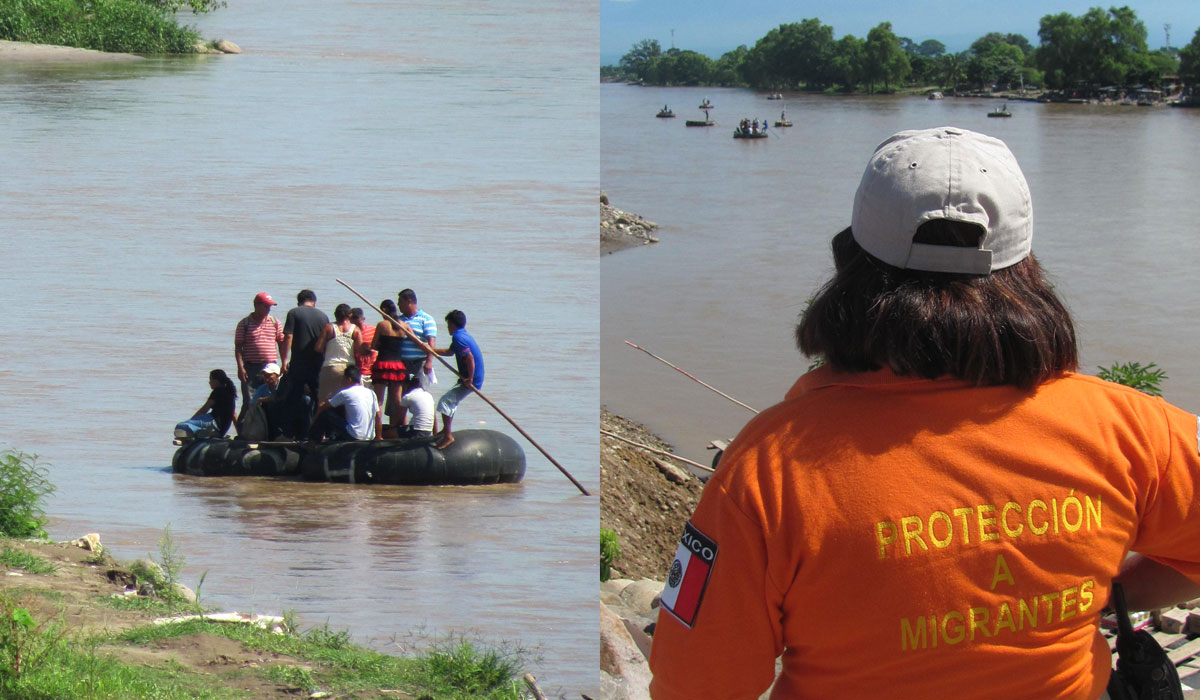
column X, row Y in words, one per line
column 943, row 173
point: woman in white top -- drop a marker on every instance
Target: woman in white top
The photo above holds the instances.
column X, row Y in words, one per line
column 339, row 342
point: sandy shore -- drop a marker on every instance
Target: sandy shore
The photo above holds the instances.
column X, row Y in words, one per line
column 19, row 51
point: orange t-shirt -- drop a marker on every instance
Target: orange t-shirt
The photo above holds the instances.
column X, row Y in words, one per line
column 906, row 538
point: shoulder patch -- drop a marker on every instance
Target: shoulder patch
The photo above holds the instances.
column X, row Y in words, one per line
column 688, row 576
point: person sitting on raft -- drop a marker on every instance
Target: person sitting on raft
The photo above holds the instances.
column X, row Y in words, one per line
column 265, row 393
column 350, row 414
column 215, row 416
column 419, row 404
column 470, row 372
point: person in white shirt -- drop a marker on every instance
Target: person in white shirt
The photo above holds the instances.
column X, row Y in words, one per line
column 420, row 410
column 350, row 414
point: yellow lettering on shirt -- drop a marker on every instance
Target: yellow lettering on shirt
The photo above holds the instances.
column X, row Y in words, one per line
column 987, row 522
column 1013, row 532
column 963, row 513
column 937, row 517
column 1001, row 573
column 885, row 534
column 1037, row 503
column 911, row 534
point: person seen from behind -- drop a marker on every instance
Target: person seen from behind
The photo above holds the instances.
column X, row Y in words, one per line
column 215, row 416
column 388, row 372
column 942, row 507
column 350, row 414
column 470, row 372
column 338, row 344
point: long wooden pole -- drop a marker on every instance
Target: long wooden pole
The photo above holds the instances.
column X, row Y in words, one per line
column 689, row 376
column 452, row 368
column 655, row 450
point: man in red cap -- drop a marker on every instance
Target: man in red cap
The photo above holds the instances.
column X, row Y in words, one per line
column 256, row 342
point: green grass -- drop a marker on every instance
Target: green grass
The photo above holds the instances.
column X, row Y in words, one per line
column 128, row 26
column 457, row 671
column 148, row 604
column 20, row 559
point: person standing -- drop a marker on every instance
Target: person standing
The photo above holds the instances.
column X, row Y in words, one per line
column 257, row 341
column 945, row 482
column 388, row 369
column 470, row 372
column 301, row 330
column 339, row 344
column 366, row 356
column 423, row 328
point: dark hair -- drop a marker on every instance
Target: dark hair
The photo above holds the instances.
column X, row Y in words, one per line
column 1007, row 327
column 306, row 295
column 356, row 312
column 389, row 307
column 353, row 372
column 407, row 295
column 340, row 312
column 222, row 378
column 458, row 318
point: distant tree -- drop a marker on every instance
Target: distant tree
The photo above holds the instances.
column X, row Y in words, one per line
column 793, row 54
column 849, row 59
column 994, row 61
column 924, row 69
column 728, row 68
column 1096, row 48
column 931, row 48
column 638, row 59
column 884, row 60
column 952, row 69
column 1189, row 60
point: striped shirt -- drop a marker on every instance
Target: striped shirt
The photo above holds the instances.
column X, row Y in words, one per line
column 423, row 325
column 259, row 340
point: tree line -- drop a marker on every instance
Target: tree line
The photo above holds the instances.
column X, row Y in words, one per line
column 1098, row 48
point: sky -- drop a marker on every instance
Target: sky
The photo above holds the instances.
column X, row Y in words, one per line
column 713, row 27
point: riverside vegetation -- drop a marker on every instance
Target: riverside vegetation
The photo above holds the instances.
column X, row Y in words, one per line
column 75, row 623
column 1098, row 48
column 125, row 26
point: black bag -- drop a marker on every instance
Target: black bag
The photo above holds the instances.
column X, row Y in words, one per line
column 1143, row 670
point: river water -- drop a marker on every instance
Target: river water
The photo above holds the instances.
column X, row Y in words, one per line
column 438, row 146
column 745, row 229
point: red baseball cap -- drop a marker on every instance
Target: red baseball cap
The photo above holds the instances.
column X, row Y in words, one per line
column 265, row 298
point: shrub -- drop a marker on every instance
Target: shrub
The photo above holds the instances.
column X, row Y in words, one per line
column 23, row 490
column 610, row 549
column 1132, row 374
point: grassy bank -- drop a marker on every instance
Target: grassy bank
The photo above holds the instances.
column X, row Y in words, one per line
column 69, row 628
column 126, row 26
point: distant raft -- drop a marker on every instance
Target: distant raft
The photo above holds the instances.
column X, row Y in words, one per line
column 476, row 457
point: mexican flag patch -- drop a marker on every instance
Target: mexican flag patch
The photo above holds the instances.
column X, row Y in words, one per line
column 688, row 576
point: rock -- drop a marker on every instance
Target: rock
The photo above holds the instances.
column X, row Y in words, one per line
column 186, row 593
column 603, row 198
column 621, row 659
column 226, row 46
column 673, row 473
column 642, row 596
column 90, row 542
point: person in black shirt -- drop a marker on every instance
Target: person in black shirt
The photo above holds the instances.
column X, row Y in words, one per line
column 214, row 417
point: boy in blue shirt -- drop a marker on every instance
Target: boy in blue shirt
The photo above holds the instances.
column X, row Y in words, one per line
column 470, row 371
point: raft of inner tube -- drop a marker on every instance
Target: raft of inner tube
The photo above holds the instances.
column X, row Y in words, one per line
column 475, row 457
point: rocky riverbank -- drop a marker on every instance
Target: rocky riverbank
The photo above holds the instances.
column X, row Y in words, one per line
column 620, row 229
column 646, row 503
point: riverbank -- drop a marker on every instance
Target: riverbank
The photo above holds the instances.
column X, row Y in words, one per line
column 25, row 52
column 646, row 505
column 620, row 229
column 91, row 627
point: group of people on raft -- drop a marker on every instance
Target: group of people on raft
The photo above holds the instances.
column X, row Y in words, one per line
column 310, row 378
column 747, row 126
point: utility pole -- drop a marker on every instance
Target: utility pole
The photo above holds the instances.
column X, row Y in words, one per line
column 1167, row 29
column 673, row 39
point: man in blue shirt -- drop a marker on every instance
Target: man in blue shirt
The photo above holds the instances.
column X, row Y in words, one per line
column 422, row 327
column 470, row 371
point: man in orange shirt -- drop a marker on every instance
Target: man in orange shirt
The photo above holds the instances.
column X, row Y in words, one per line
column 939, row 510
